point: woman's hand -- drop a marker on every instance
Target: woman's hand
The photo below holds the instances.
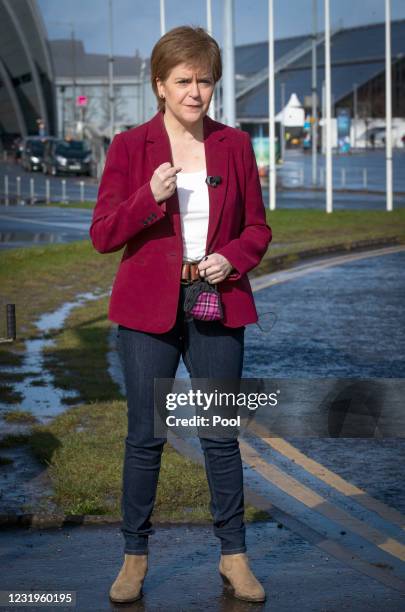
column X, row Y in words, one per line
column 164, row 181
column 214, row 268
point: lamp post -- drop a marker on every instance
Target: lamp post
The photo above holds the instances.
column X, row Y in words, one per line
column 229, row 65
column 272, row 131
column 355, row 114
column 328, row 99
column 211, row 110
column 282, row 126
column 162, row 18
column 388, row 104
column 73, row 62
column 62, row 91
column 314, row 96
column 111, row 97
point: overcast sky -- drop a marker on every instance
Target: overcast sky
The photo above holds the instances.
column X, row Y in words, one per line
column 137, row 22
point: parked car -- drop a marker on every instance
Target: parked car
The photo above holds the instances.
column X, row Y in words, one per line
column 32, row 153
column 66, row 156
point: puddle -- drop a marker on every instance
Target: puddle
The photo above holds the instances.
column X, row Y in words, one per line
column 44, row 401
column 24, row 481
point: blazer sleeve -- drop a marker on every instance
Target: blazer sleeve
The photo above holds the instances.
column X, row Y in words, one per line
column 118, row 214
column 246, row 252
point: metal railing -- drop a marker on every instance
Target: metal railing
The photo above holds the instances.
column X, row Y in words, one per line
column 19, row 191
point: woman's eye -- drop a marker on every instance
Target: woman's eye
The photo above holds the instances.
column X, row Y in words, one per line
column 185, row 81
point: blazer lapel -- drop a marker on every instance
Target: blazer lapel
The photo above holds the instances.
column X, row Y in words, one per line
column 217, row 164
column 217, row 161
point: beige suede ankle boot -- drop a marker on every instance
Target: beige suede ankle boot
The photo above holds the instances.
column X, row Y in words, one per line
column 128, row 584
column 238, row 578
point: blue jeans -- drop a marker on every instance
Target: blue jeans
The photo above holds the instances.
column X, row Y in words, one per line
column 209, row 350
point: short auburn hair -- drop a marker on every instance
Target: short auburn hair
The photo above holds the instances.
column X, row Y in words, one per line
column 185, row 44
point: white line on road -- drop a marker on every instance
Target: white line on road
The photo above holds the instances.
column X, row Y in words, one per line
column 55, row 224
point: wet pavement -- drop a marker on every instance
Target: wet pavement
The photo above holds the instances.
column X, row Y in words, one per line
column 340, row 500
column 183, row 574
column 25, row 226
column 360, row 170
column 343, row 320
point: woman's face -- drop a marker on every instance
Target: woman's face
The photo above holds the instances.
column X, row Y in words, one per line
column 188, row 91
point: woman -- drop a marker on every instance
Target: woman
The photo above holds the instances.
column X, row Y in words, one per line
column 181, row 193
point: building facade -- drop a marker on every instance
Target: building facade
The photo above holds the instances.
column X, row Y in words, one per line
column 27, row 95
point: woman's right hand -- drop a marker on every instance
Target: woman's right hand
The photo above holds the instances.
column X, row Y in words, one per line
column 164, row 181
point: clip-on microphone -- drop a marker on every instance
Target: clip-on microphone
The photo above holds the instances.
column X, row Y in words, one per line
column 213, row 181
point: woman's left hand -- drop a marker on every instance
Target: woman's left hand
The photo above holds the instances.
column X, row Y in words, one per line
column 214, row 268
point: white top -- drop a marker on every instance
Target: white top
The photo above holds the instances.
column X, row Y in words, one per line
column 193, row 196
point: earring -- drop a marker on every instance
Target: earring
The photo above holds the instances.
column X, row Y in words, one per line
column 162, row 96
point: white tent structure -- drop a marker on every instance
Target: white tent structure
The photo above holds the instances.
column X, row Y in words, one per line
column 293, row 114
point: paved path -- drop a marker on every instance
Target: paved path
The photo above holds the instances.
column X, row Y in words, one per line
column 183, row 572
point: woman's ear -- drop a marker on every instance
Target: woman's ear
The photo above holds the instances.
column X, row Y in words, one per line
column 160, row 88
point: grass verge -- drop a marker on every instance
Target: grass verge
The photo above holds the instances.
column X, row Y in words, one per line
column 84, row 449
column 299, row 229
column 85, row 204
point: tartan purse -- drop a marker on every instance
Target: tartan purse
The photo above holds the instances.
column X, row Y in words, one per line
column 203, row 302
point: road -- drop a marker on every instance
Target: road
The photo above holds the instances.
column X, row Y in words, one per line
column 24, row 226
column 29, row 225
column 73, row 189
column 341, row 318
column 348, row 170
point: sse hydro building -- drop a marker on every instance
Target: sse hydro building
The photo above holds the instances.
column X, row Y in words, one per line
column 27, row 96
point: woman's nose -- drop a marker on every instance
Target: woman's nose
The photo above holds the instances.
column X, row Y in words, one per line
column 194, row 91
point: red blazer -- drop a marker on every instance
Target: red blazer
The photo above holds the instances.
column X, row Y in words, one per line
column 146, row 289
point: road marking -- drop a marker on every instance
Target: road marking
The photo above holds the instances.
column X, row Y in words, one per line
column 329, row 546
column 54, row 224
column 316, row 502
column 330, row 478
